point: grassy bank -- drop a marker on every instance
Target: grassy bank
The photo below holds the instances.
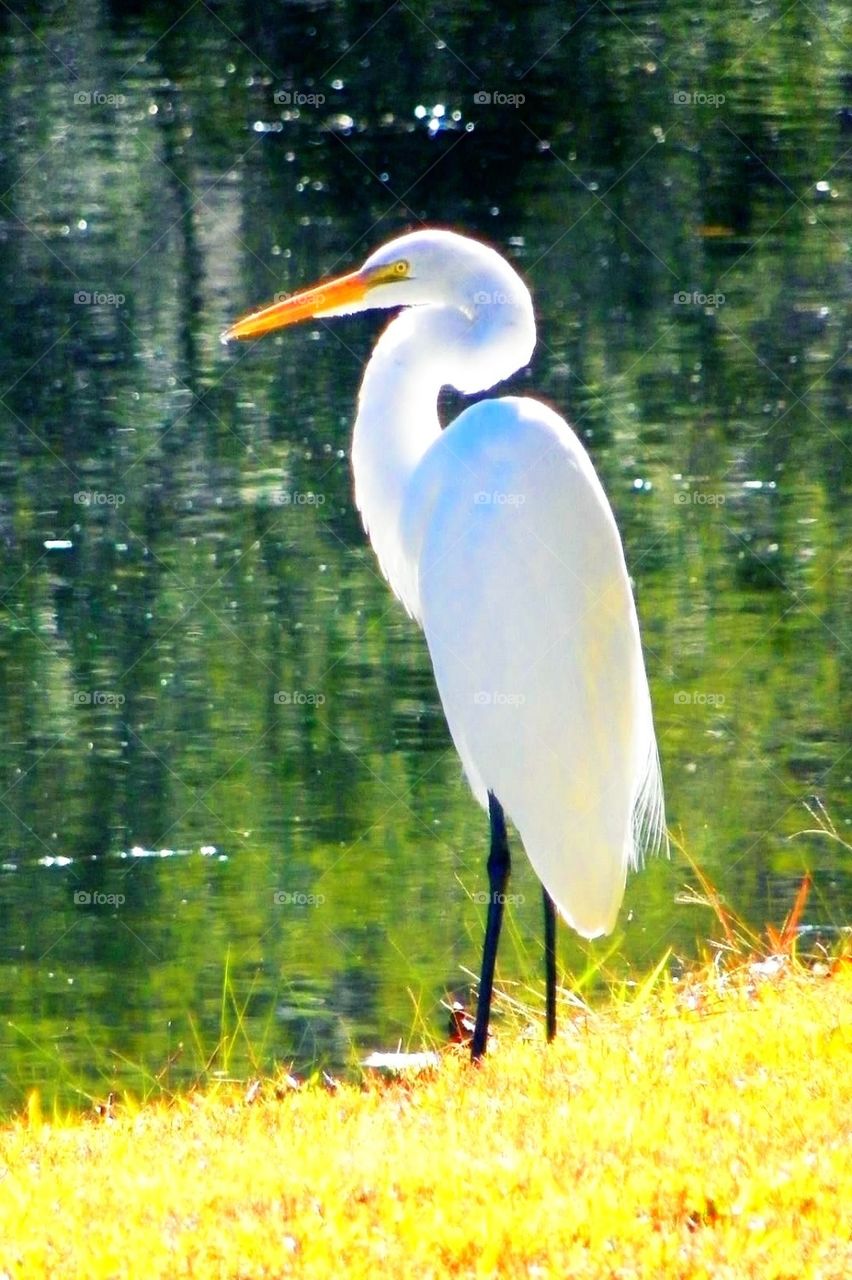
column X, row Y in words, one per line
column 704, row 1129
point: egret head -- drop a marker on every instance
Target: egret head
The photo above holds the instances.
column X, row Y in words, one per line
column 429, row 268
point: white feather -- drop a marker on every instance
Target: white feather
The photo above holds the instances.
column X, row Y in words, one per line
column 497, row 536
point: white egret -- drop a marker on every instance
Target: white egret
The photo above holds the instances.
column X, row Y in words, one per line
column 496, row 535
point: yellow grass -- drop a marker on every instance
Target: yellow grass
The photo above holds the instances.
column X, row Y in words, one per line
column 699, row 1130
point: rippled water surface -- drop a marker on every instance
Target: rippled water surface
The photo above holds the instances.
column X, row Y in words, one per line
column 228, row 801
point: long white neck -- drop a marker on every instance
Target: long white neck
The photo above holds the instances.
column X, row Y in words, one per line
column 422, row 350
column 397, row 422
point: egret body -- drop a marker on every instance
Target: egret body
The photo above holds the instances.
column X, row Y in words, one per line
column 497, row 536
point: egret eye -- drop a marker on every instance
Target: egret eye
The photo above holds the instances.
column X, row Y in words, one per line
column 394, row 272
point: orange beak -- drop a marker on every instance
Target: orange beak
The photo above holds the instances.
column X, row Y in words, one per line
column 301, row 306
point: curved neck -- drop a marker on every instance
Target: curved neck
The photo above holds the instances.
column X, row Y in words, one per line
column 422, row 350
column 397, row 422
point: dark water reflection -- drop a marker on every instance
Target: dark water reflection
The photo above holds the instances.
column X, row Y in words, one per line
column 223, row 760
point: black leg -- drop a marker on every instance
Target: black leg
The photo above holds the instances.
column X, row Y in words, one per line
column 499, row 865
column 550, row 962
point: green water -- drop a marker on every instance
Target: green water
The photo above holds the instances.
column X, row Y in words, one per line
column 179, row 543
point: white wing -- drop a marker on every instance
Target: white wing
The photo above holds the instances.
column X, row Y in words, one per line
column 523, row 595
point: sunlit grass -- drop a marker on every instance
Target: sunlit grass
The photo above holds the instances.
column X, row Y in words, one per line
column 698, row 1127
